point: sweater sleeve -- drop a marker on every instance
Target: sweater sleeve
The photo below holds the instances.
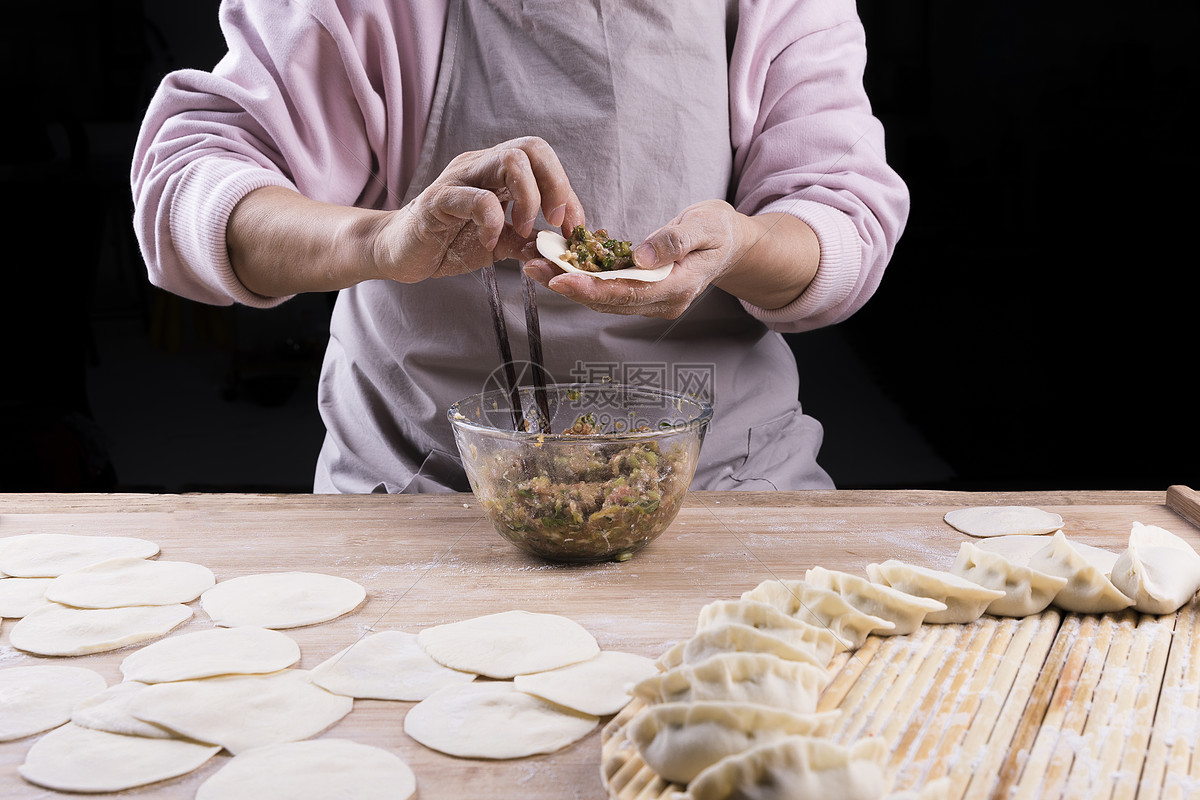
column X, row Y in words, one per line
column 299, row 100
column 806, row 143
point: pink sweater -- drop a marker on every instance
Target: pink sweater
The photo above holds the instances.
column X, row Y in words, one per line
column 331, row 97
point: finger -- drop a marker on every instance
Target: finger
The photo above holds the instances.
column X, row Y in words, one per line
column 620, row 297
column 698, row 228
column 557, row 198
column 540, row 270
column 666, row 245
column 571, row 217
column 533, row 177
column 453, row 205
column 511, row 245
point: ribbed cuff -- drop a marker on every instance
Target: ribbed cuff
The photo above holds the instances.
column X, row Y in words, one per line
column 837, row 270
column 207, row 191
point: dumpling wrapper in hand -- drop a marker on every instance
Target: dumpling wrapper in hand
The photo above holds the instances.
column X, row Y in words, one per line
column 553, row 246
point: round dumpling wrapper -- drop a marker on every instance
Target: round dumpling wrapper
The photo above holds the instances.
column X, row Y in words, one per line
column 19, row 596
column 58, row 630
column 75, row 759
column 312, row 770
column 130, row 582
column 241, row 712
column 598, row 686
column 509, row 643
column 985, row 521
column 281, row 599
column 40, row 697
column 493, row 719
column 109, row 711
column 389, row 665
column 553, row 246
column 213, row 651
column 48, row 555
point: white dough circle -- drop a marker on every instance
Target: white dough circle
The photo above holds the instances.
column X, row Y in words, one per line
column 553, row 246
column 109, row 711
column 492, row 719
column 985, row 521
column 312, row 770
column 19, row 596
column 48, row 555
column 240, row 712
column 130, row 582
column 58, row 630
column 213, row 651
column 389, row 665
column 75, row 759
column 281, row 599
column 598, row 686
column 509, row 643
column 37, row 698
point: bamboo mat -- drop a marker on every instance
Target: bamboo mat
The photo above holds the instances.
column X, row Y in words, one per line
column 1049, row 706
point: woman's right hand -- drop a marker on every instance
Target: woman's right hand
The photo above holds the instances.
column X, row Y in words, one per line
column 458, row 224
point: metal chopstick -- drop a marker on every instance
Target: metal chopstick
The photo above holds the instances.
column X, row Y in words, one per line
column 533, row 330
column 510, row 375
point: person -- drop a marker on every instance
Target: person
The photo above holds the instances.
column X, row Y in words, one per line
column 389, row 149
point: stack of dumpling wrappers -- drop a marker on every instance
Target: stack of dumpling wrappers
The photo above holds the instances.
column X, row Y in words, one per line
column 733, row 711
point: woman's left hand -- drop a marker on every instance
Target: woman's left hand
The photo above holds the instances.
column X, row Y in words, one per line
column 710, row 243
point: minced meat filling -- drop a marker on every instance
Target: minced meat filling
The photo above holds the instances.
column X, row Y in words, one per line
column 597, row 252
column 587, row 501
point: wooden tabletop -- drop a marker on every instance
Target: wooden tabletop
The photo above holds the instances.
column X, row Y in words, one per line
column 430, row 559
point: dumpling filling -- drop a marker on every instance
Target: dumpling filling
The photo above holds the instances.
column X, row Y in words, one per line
column 597, row 252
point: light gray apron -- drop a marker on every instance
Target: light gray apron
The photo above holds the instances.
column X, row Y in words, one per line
column 633, row 97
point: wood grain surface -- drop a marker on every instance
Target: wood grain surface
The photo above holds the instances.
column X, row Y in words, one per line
column 426, row 560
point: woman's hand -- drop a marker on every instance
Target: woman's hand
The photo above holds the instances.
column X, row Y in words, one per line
column 767, row 260
column 458, row 223
column 282, row 243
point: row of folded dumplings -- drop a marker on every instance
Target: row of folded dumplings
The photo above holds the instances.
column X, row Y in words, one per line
column 732, row 713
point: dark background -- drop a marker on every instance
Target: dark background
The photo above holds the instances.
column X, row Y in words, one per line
column 1036, row 329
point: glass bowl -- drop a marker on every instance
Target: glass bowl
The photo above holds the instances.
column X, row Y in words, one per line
column 604, row 481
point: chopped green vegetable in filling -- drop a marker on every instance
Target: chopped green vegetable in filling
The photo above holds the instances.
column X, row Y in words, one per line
column 597, row 252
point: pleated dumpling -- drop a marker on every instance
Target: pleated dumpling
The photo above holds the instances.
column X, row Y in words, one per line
column 734, row 637
column 796, row 768
column 1159, row 570
column 906, row 612
column 679, row 740
column 1088, row 589
column 740, row 677
column 770, row 619
column 965, row 600
column 821, row 607
column 1026, row 590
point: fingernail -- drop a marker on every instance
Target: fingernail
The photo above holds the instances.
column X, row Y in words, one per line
column 644, row 256
column 557, row 215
